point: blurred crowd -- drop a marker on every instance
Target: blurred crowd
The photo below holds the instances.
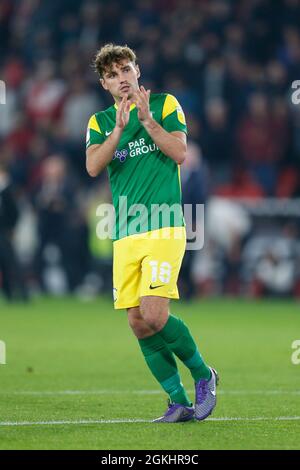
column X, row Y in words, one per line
column 231, row 65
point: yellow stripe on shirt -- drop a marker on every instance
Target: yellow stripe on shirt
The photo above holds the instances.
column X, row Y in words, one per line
column 93, row 124
column 170, row 105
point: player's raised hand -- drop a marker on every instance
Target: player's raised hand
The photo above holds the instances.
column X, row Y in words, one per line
column 141, row 98
column 123, row 113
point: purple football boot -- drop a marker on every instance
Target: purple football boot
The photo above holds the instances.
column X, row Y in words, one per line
column 206, row 399
column 176, row 413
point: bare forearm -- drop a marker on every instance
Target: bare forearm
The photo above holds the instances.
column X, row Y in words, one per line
column 169, row 144
column 99, row 156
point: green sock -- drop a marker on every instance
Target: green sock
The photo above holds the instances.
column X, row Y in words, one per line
column 163, row 366
column 179, row 339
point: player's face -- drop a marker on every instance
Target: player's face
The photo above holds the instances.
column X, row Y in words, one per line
column 121, row 79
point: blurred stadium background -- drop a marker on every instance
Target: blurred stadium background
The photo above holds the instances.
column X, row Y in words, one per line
column 231, row 64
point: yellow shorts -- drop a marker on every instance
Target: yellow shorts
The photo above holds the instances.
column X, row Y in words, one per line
column 147, row 264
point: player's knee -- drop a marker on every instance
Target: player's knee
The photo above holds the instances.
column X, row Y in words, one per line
column 134, row 323
column 155, row 311
column 134, row 317
column 154, row 317
column 140, row 329
column 138, row 324
column 154, row 323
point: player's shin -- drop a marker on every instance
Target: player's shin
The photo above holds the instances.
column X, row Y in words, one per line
column 179, row 339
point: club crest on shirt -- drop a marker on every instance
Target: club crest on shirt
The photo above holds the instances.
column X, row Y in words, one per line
column 180, row 114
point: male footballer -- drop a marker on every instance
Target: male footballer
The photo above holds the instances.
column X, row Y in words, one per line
column 141, row 139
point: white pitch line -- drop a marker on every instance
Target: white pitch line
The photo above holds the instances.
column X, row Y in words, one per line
column 259, row 392
column 127, row 421
column 143, row 392
column 81, row 421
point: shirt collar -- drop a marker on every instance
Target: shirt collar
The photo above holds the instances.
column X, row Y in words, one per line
column 132, row 106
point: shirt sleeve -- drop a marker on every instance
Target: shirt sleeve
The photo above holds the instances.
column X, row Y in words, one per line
column 173, row 118
column 94, row 134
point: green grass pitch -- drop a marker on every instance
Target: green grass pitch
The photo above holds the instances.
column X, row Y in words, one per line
column 75, row 377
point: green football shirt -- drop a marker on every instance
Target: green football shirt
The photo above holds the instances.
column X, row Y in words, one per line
column 145, row 183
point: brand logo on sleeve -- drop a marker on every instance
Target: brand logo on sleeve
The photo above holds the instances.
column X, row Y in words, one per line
column 180, row 114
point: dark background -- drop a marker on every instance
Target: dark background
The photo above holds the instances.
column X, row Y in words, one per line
column 230, row 64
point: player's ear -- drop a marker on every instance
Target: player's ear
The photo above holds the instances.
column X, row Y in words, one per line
column 138, row 71
column 102, row 81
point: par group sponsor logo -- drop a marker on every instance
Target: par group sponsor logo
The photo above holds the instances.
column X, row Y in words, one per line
column 139, row 147
column 136, row 148
column 121, row 155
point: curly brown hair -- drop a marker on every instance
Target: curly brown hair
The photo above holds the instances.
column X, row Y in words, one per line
column 110, row 54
